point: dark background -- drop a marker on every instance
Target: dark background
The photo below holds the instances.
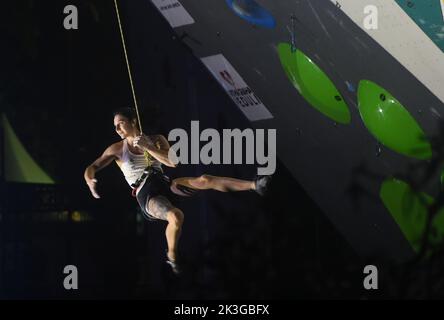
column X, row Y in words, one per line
column 58, row 89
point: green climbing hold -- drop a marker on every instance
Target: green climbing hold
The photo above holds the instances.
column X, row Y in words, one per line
column 390, row 123
column 313, row 84
column 409, row 210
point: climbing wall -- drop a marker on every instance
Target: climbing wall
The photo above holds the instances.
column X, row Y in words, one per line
column 352, row 107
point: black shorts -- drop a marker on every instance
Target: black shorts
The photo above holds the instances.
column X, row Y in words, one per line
column 156, row 185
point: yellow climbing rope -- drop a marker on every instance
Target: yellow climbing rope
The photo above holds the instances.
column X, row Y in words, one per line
column 149, row 159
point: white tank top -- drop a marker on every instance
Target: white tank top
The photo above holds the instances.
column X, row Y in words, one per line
column 132, row 165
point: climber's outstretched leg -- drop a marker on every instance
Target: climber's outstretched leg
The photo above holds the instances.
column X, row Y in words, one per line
column 223, row 184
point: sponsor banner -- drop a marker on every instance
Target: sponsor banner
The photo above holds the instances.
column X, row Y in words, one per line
column 247, row 101
column 174, row 12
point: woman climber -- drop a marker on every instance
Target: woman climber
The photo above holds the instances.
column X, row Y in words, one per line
column 140, row 157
